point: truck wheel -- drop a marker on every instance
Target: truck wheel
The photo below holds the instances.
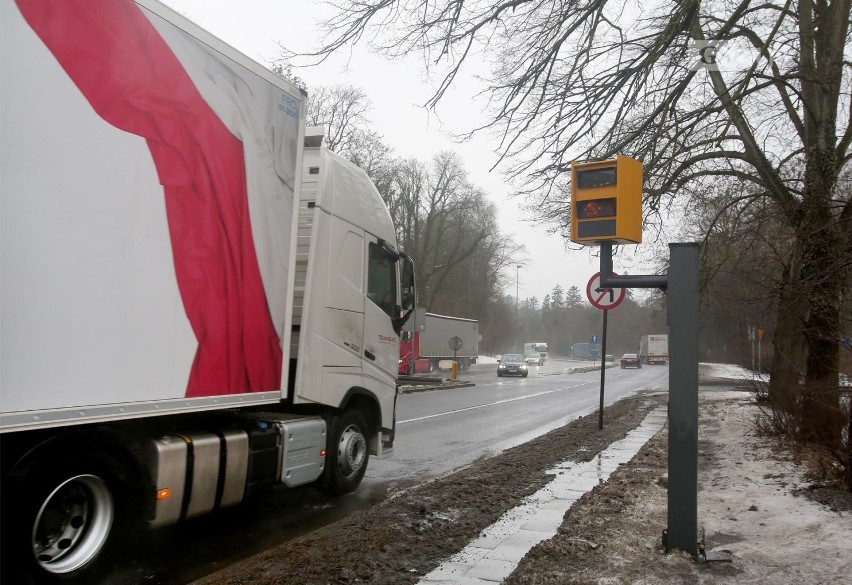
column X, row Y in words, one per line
column 68, row 516
column 348, row 453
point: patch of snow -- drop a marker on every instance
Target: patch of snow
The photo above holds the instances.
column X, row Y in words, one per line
column 748, row 505
column 729, row 372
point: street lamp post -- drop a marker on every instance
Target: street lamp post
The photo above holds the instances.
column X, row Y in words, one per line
column 517, row 294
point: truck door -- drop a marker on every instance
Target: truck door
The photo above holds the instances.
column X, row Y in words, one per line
column 381, row 343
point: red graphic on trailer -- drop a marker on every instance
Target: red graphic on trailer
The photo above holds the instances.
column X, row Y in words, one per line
column 134, row 81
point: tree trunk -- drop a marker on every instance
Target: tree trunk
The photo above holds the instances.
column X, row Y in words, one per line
column 789, row 345
column 822, row 416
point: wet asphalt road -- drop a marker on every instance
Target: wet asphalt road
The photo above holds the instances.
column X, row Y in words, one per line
column 437, row 431
column 442, row 430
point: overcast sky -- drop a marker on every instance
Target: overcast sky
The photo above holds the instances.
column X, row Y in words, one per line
column 397, row 91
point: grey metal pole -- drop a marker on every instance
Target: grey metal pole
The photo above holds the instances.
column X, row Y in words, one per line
column 517, row 292
column 603, row 371
column 683, row 306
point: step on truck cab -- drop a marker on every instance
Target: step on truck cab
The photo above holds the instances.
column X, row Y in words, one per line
column 198, row 301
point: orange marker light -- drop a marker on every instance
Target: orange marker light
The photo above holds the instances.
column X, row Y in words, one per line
column 323, row 452
column 164, row 493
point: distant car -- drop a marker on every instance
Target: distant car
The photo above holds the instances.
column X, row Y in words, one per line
column 630, row 360
column 512, row 364
column 610, row 357
column 534, row 359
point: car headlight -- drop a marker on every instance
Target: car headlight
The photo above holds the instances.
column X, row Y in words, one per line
column 502, row 366
column 523, row 366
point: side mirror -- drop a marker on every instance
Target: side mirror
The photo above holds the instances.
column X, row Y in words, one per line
column 406, row 282
column 408, row 296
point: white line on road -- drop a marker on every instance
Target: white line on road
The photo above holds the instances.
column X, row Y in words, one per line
column 402, row 422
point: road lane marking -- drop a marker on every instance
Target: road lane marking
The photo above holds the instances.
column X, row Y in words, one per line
column 402, row 422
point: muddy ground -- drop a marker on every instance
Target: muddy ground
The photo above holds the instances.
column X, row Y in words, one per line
column 408, row 535
column 611, row 535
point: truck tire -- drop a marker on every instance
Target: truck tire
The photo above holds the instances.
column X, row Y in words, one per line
column 69, row 517
column 348, row 453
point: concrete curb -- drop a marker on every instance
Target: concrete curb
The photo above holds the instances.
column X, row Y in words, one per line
column 409, row 389
column 493, row 556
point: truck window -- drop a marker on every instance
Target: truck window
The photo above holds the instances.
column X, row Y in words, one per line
column 381, row 280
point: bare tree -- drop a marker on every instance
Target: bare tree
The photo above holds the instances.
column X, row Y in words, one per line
column 757, row 91
column 455, row 219
column 342, row 110
column 745, row 254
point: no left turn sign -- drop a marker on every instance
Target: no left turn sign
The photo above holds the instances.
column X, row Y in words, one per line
column 603, row 298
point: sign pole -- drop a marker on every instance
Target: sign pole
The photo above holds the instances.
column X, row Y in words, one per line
column 603, row 370
column 456, row 344
column 603, row 298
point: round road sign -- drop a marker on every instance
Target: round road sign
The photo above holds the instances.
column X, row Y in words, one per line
column 603, row 298
column 456, row 343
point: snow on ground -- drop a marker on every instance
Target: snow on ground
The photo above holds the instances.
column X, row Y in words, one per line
column 749, row 504
column 727, row 371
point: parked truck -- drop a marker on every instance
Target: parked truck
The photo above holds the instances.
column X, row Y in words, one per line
column 654, row 349
column 199, row 301
column 429, row 339
column 535, row 352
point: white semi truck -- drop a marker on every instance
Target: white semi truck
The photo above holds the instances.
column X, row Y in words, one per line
column 654, row 349
column 197, row 300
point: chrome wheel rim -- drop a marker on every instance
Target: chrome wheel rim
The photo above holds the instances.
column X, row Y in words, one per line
column 72, row 524
column 351, row 451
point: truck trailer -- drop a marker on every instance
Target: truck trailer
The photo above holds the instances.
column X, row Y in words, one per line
column 199, row 301
column 654, row 349
column 428, row 339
